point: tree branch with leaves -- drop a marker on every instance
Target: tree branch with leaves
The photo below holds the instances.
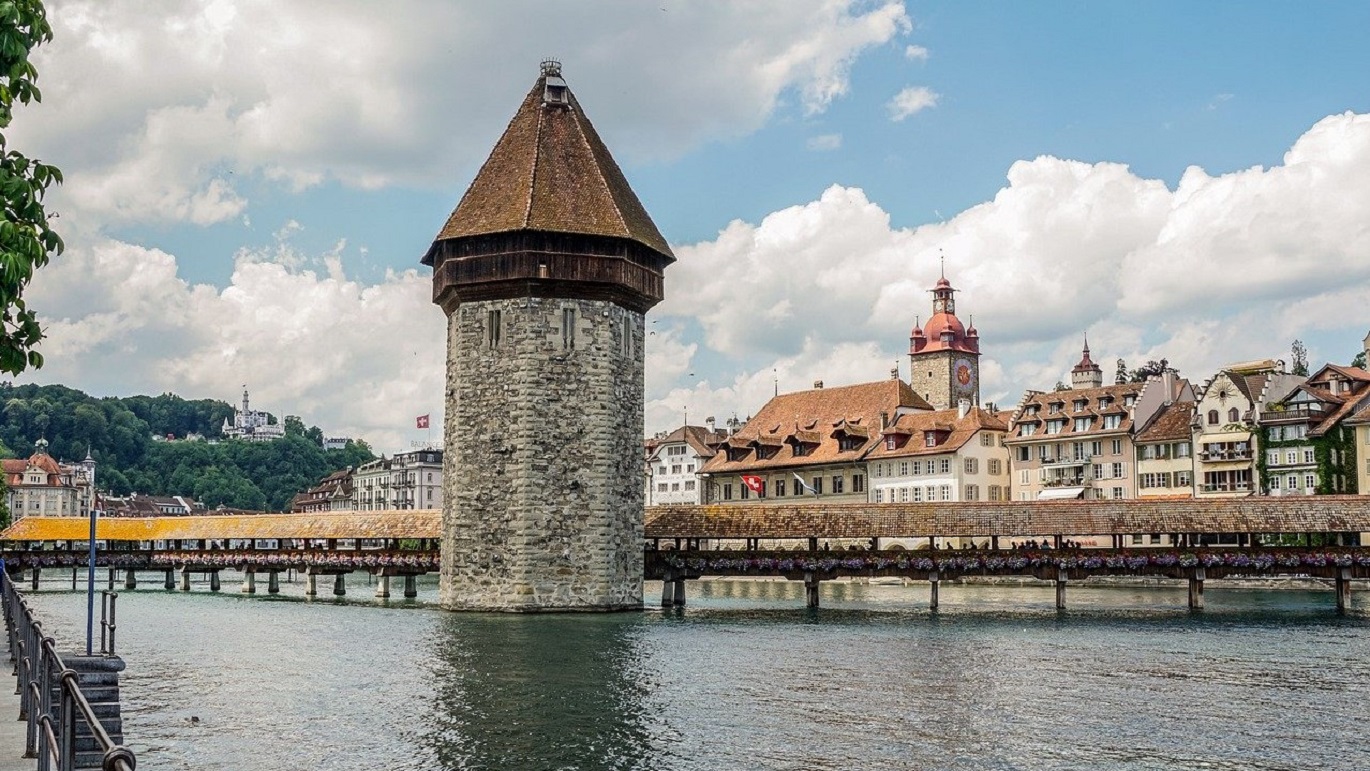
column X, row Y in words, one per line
column 26, row 240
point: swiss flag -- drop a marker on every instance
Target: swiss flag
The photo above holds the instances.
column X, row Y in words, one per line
column 753, row 483
column 421, row 421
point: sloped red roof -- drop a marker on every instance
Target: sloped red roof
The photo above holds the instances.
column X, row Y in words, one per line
column 958, row 432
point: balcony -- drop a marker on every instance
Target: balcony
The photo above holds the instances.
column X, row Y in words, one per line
column 1227, row 487
column 1065, row 462
column 1301, row 412
column 1219, row 456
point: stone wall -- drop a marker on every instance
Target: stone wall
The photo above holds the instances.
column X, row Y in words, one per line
column 930, row 378
column 542, row 483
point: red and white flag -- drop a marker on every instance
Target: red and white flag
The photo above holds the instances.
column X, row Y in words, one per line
column 421, row 421
column 754, row 483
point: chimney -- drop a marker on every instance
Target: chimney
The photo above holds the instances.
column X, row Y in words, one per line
column 962, row 407
column 1168, row 383
column 817, row 384
column 709, row 421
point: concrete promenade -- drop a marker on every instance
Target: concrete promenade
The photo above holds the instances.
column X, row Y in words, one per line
column 12, row 730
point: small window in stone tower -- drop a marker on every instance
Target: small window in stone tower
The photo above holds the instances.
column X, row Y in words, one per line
column 493, row 329
column 568, row 328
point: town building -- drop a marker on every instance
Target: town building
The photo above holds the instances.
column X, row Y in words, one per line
column 941, row 455
column 40, row 486
column 1163, row 436
column 944, row 355
column 1307, row 444
column 410, row 480
column 135, row 505
column 674, row 462
column 251, row 425
column 1075, row 442
column 332, row 493
column 808, row 444
column 1225, row 423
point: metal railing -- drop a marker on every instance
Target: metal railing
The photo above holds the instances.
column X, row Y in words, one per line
column 52, row 728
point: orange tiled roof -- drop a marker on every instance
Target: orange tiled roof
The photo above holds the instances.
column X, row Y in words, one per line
column 1091, row 396
column 424, row 523
column 957, row 432
column 1171, row 424
column 851, row 410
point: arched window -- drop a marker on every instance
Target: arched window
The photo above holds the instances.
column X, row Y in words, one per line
column 1212, row 417
column 1233, row 416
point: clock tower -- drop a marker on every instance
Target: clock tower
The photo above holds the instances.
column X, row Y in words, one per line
column 944, row 355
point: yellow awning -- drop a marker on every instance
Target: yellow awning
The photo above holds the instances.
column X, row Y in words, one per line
column 421, row 523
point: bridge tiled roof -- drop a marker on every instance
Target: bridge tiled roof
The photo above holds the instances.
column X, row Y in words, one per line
column 423, row 523
column 1316, row 514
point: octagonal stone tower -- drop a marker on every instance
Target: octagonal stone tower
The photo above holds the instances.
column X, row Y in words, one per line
column 545, row 270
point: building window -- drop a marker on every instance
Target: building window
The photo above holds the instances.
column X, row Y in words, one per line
column 1112, row 421
column 858, row 483
column 929, row 438
column 903, row 495
column 1233, row 415
column 1182, row 479
column 986, row 440
column 818, row 485
column 662, row 487
column 879, row 495
column 1309, row 481
column 972, row 466
column 1117, row 471
column 568, row 328
column 917, row 495
column 837, row 485
column 1024, row 478
column 1273, row 457
column 1024, row 454
column 744, row 491
column 1275, row 483
column 889, row 442
column 1082, row 424
column 972, row 492
column 728, row 491
column 675, row 487
column 1212, row 417
column 903, row 468
column 690, row 485
column 1307, row 456
column 1055, row 426
column 779, row 488
column 493, row 330
column 1098, row 471
column 1291, row 457
column 1136, row 540
column 994, row 492
column 1117, row 493
column 995, row 466
column 1117, row 447
column 1027, row 429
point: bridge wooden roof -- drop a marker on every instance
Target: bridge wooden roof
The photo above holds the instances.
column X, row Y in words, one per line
column 1349, row 513
column 422, row 523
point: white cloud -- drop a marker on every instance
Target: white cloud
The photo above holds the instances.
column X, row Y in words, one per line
column 824, row 142
column 916, row 53
column 352, row 358
column 191, row 100
column 1221, row 269
column 911, row 100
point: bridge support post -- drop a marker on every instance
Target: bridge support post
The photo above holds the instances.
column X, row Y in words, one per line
column 383, row 586
column 810, row 590
column 1061, row 589
column 169, row 579
column 667, row 589
column 411, row 587
column 678, row 598
column 250, row 582
column 185, row 578
column 214, row 581
column 1196, row 589
column 273, row 582
column 340, row 585
column 1343, row 589
column 73, row 579
column 36, row 572
column 311, row 585
column 935, row 581
column 130, row 579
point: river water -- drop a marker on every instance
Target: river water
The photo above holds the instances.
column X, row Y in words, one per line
column 743, row 678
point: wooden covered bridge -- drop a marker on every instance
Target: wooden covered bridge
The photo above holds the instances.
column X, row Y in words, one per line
column 812, row 541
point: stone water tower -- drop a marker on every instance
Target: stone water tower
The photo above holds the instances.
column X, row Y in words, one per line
column 545, row 270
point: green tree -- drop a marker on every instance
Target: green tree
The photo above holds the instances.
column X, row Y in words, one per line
column 1120, row 376
column 1359, row 360
column 1299, row 354
column 26, row 241
column 4, row 503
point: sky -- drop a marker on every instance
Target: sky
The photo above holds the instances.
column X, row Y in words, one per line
column 250, row 186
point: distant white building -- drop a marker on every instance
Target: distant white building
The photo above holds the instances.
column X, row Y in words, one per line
column 42, row 487
column 251, row 425
column 410, row 480
column 336, row 442
column 674, row 461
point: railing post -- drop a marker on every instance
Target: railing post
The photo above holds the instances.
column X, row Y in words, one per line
column 67, row 738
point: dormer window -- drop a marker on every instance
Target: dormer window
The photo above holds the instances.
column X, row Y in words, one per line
column 929, row 438
column 1079, row 405
column 1129, row 400
column 554, row 91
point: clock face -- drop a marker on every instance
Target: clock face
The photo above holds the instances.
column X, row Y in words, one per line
column 964, row 372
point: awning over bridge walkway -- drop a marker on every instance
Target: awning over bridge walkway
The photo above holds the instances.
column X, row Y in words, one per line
column 1310, row 514
column 422, row 523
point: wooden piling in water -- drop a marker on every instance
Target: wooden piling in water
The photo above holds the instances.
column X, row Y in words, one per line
column 411, row 587
column 1061, row 589
column 340, row 584
column 934, row 580
column 383, row 586
column 1343, row 589
column 678, row 594
column 273, row 582
column 810, row 590
column 214, row 581
column 170, row 579
column 249, row 582
column 667, row 590
column 130, row 579
column 1196, row 589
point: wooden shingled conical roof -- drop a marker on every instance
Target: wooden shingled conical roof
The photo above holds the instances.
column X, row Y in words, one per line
column 549, row 175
